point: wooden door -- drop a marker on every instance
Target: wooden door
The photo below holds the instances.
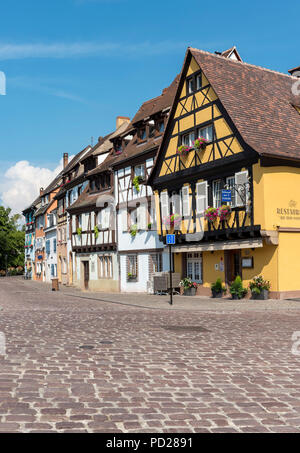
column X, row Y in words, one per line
column 233, row 266
column 86, row 274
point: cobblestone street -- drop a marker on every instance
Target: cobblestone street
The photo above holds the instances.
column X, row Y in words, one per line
column 79, row 365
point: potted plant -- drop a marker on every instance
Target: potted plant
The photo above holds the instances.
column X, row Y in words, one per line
column 96, row 231
column 149, row 226
column 172, row 220
column 237, row 290
column 133, row 230
column 259, row 288
column 136, row 182
column 200, row 143
column 183, row 150
column 131, row 276
column 211, row 214
column 189, row 287
column 224, row 212
column 79, row 231
column 218, row 289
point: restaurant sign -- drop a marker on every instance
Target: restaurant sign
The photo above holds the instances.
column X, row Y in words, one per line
column 289, row 213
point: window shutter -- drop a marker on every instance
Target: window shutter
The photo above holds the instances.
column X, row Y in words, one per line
column 201, row 197
column 106, row 217
column 241, row 180
column 142, row 217
column 177, row 204
column 185, row 201
column 164, row 201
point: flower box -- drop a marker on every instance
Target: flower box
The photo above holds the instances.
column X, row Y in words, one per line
column 263, row 295
column 183, row 150
column 224, row 212
column 200, row 143
column 189, row 292
column 173, row 220
column 211, row 214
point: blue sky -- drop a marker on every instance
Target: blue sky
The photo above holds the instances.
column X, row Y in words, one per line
column 72, row 66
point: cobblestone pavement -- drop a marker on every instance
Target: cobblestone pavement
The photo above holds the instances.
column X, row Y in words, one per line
column 143, row 370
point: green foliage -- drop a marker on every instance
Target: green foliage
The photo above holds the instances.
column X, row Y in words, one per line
column 237, row 289
column 258, row 284
column 218, row 287
column 79, row 231
column 12, row 239
column 133, row 230
column 96, row 232
column 136, row 182
column 187, row 283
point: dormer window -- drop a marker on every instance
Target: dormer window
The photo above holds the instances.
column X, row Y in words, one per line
column 118, row 147
column 161, row 126
column 142, row 133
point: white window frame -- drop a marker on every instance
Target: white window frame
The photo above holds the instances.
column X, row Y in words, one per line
column 206, row 132
column 217, row 193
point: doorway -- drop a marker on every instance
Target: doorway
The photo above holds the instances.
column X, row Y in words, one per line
column 194, row 267
column 86, row 273
column 233, row 265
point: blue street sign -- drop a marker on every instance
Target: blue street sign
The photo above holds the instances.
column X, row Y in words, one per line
column 170, row 239
column 226, row 195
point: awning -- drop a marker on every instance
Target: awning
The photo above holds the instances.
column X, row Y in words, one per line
column 222, row 245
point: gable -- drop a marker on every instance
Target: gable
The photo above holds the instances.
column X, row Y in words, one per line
column 192, row 113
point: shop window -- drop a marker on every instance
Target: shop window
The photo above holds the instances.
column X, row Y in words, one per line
column 155, row 262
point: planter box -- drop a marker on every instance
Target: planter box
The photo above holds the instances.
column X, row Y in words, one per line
column 264, row 295
column 217, row 295
column 190, row 292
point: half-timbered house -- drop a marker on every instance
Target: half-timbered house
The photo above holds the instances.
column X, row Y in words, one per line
column 140, row 250
column 93, row 226
column 227, row 174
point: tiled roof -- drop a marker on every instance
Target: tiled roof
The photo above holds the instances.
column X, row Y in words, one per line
column 87, row 199
column 259, row 102
column 157, row 104
column 73, row 162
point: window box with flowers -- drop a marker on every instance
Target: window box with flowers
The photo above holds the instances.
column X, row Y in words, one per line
column 172, row 221
column 131, row 277
column 200, row 143
column 211, row 214
column 224, row 212
column 189, row 287
column 259, row 288
column 183, row 150
column 133, row 230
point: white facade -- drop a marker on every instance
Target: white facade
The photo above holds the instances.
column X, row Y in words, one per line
column 50, row 248
column 141, row 253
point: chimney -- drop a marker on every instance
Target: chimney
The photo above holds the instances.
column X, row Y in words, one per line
column 41, row 191
column 121, row 120
column 295, row 71
column 66, row 159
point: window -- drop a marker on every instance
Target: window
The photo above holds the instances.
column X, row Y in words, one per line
column 139, row 170
column 217, row 193
column 48, row 247
column 105, row 269
column 188, row 139
column 155, row 263
column 206, row 132
column 161, row 126
column 132, row 267
column 230, row 183
column 54, row 245
column 64, row 266
column 190, row 85
column 198, row 82
column 142, row 134
column 194, row 267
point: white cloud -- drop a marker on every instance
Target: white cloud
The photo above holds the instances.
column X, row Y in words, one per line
column 21, row 183
column 87, row 49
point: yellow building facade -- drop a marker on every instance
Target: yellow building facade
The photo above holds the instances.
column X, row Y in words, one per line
column 244, row 152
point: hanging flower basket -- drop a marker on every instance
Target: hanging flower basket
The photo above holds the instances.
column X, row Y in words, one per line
column 137, row 180
column 211, row 214
column 224, row 212
column 172, row 220
column 200, row 143
column 183, row 150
